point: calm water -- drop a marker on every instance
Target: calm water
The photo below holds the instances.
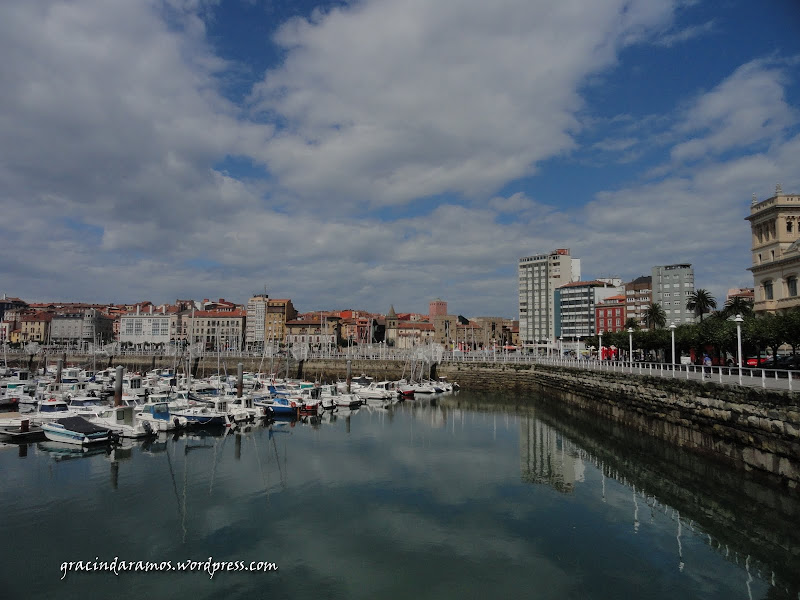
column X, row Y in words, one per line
column 464, row 497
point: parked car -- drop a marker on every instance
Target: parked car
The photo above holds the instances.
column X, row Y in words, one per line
column 789, row 361
column 754, row 361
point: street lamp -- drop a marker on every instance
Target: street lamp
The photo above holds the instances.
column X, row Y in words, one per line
column 672, row 331
column 630, row 346
column 560, row 350
column 738, row 319
column 600, row 345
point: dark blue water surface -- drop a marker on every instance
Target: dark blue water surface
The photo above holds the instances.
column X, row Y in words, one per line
column 465, row 496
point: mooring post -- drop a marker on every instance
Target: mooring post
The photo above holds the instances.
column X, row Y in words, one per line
column 118, row 386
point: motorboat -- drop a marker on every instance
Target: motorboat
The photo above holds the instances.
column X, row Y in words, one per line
column 159, row 417
column 214, row 413
column 86, row 406
column 376, row 391
column 77, row 431
column 51, row 409
column 121, row 420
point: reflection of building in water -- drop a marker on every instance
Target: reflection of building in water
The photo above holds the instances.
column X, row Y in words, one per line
column 547, row 457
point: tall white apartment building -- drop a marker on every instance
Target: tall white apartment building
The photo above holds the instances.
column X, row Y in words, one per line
column 539, row 277
column 255, row 327
column 672, row 286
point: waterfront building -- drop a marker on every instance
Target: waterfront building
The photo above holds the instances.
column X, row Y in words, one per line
column 775, row 229
column 638, row 297
column 215, row 330
column 445, row 330
column 539, row 277
column 576, row 304
column 7, row 303
column 610, row 314
column 491, row 331
column 322, row 332
column 266, row 320
column 80, row 327
column 414, row 333
column 148, row 330
column 35, row 328
column 672, row 287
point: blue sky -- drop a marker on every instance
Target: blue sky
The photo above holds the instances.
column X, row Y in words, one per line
column 364, row 154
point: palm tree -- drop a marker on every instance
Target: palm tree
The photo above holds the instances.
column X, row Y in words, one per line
column 701, row 302
column 654, row 316
column 631, row 323
column 738, row 305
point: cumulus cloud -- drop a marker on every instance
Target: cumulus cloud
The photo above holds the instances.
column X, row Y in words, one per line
column 386, row 102
column 116, row 141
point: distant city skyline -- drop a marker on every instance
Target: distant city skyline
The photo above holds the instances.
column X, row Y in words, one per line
column 385, row 152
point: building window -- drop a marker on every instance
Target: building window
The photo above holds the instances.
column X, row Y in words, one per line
column 767, row 290
column 791, row 282
column 788, row 227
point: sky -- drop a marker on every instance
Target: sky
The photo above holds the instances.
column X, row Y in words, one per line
column 385, row 152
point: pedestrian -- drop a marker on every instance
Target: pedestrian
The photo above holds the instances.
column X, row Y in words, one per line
column 706, row 363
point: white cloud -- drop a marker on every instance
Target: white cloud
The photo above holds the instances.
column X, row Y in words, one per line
column 748, row 108
column 676, row 37
column 390, row 101
column 112, row 123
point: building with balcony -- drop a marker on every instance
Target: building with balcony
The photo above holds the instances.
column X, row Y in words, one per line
column 672, row 287
column 638, row 296
column 576, row 303
column 81, row 327
column 266, row 320
column 775, row 229
column 539, row 277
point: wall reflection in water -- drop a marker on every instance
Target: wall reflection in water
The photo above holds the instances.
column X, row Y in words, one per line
column 748, row 521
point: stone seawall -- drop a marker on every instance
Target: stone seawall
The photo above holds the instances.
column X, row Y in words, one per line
column 749, row 428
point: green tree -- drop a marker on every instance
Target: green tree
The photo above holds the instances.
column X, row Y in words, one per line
column 631, row 323
column 738, row 306
column 701, row 302
column 654, row 316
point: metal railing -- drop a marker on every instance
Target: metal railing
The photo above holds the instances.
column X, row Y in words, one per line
column 730, row 375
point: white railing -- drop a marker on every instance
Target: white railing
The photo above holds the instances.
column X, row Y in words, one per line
column 732, row 375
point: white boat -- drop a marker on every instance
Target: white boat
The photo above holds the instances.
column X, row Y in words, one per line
column 121, row 420
column 86, row 406
column 159, row 417
column 50, row 409
column 213, row 413
column 376, row 391
column 76, row 430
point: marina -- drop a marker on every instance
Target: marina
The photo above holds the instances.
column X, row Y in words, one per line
column 443, row 496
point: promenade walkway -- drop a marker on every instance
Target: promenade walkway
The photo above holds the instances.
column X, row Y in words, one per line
column 749, row 377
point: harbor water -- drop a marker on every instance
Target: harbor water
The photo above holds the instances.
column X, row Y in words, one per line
column 459, row 496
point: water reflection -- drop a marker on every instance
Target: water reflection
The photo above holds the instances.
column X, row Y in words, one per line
column 738, row 515
column 462, row 496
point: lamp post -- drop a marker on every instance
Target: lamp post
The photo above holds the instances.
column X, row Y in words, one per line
column 738, row 319
column 630, row 346
column 600, row 345
column 672, row 331
column 560, row 350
